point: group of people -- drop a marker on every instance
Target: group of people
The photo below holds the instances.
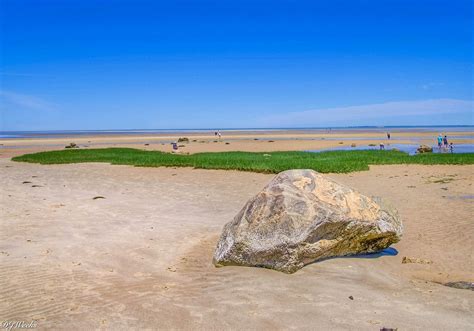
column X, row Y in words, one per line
column 443, row 143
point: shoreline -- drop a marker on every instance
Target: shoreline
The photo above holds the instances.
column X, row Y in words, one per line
column 245, row 133
column 267, row 141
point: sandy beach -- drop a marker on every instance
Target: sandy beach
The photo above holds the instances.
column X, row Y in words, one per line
column 139, row 256
column 257, row 141
column 236, row 165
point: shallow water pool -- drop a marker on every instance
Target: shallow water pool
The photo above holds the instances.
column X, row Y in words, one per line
column 407, row 148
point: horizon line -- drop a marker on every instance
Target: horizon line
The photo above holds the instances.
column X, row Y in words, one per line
column 255, row 128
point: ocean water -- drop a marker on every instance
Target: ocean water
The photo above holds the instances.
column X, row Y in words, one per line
column 72, row 133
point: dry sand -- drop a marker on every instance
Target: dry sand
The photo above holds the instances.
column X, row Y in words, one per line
column 141, row 257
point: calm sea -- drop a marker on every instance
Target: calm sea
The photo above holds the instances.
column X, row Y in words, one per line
column 72, row 133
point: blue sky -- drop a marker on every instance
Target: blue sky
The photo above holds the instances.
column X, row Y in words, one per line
column 230, row 64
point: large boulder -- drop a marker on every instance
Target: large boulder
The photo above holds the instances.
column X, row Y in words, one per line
column 301, row 217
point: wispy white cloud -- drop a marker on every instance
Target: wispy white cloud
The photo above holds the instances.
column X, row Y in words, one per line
column 22, row 74
column 24, row 101
column 373, row 114
column 429, row 86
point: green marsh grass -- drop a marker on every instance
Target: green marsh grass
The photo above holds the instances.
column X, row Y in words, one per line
column 269, row 162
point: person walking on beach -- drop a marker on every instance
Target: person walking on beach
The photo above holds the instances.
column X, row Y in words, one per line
column 451, row 148
column 445, row 142
column 388, row 135
column 219, row 134
column 174, row 145
column 440, row 141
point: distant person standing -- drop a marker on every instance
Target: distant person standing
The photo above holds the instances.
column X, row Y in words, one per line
column 440, row 141
column 445, row 142
column 451, row 148
column 388, row 135
column 219, row 134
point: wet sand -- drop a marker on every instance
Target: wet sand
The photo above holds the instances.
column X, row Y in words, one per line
column 141, row 256
column 261, row 141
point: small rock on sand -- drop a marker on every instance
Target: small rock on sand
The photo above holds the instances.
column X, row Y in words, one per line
column 461, row 285
column 71, row 145
column 424, row 149
column 415, row 260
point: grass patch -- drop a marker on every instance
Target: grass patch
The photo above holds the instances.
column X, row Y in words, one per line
column 270, row 162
